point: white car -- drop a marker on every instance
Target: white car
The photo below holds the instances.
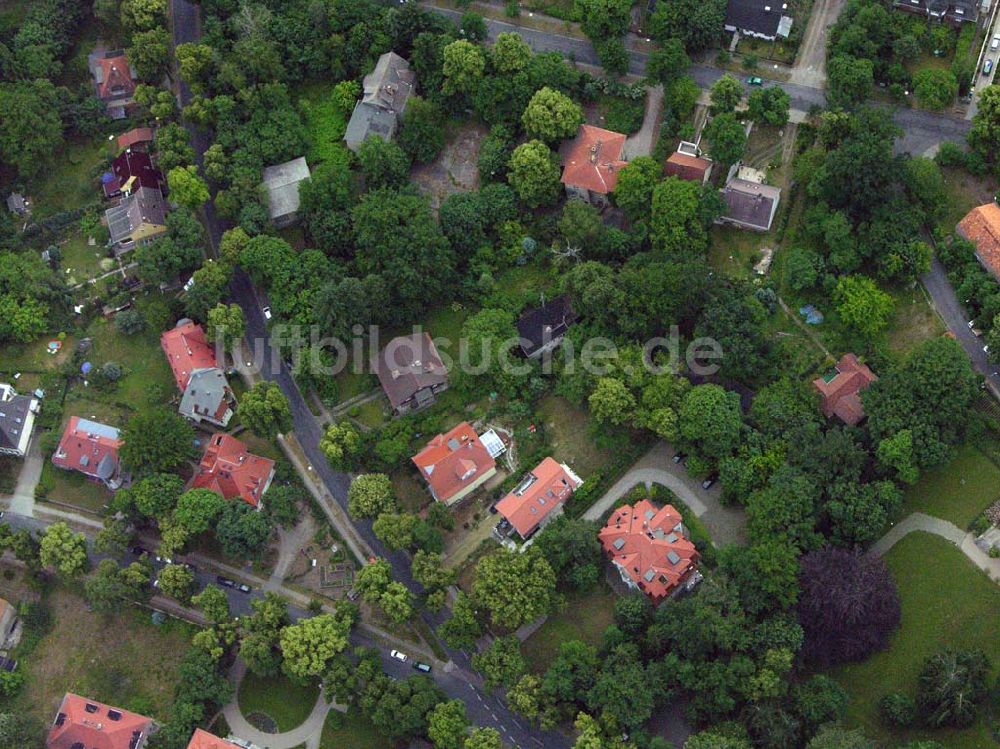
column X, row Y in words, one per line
column 398, row 656
column 267, row 312
column 995, row 42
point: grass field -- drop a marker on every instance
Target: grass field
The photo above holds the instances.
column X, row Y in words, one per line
column 585, row 618
column 72, row 488
column 964, row 192
column 913, row 320
column 351, row 730
column 80, row 259
column 569, row 437
column 287, row 703
column 957, row 491
column 946, row 602
column 736, row 251
column 67, row 183
column 122, row 660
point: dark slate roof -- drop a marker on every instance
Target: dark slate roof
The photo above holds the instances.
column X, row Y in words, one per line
column 13, row 415
column 750, row 203
column 759, row 16
column 539, row 325
column 409, row 365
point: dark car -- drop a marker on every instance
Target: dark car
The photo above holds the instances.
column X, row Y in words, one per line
column 710, row 481
column 137, row 550
column 422, row 667
column 225, row 582
column 679, row 457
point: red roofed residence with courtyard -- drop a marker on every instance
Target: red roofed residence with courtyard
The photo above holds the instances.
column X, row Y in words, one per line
column 650, row 548
column 539, row 497
column 85, row 723
column 981, row 226
column 455, row 463
column 205, row 393
column 230, row 470
column 591, row 163
column 92, row 449
column 841, row 392
column 205, row 740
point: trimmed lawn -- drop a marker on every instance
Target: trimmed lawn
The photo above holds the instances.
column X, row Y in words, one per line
column 566, row 427
column 287, row 703
column 371, row 414
column 413, row 496
column 585, row 618
column 957, row 491
column 946, row 602
column 351, row 730
column 736, row 251
column 72, row 488
column 81, row 260
column 121, row 659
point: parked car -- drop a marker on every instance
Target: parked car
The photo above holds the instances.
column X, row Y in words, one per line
column 164, row 560
column 422, row 667
column 243, row 588
column 267, row 312
column 987, row 67
column 679, row 457
column 755, row 80
column 995, row 42
column 398, row 655
column 225, row 582
column 137, row 550
column 710, row 481
column 352, row 594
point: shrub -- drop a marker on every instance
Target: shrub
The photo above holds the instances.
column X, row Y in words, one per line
column 623, row 115
column 897, row 709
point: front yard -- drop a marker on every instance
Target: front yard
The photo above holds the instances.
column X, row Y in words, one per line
column 585, row 617
column 957, row 491
column 947, row 603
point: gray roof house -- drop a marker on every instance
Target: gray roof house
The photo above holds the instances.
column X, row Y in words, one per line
column 750, row 205
column 207, row 397
column 383, row 101
column 281, row 182
column 411, row 372
column 17, row 204
column 17, row 418
column 139, row 218
column 764, row 19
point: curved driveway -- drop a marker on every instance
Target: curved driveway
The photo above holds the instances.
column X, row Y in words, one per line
column 726, row 525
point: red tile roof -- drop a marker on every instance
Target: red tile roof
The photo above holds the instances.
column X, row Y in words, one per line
column 90, row 448
column 187, row 350
column 134, row 136
column 205, row 740
column 648, row 545
column 542, row 491
column 592, row 160
column 981, row 226
column 453, row 461
column 228, row 469
column 116, row 80
column 841, row 395
column 687, row 167
column 85, row 723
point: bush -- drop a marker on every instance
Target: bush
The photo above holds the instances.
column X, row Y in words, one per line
column 897, row 709
column 623, row 115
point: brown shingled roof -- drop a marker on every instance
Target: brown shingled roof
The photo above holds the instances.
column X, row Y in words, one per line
column 981, row 226
column 842, row 393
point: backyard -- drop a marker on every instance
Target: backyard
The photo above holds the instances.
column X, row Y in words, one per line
column 284, row 702
column 71, row 180
column 956, row 491
column 122, row 660
column 946, row 603
column 585, row 617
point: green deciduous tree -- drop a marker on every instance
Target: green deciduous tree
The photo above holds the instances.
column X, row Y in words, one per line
column 225, row 322
column 515, row 587
column 198, row 509
column 769, row 106
column 149, row 54
column 463, row 67
column 30, row 130
column 502, row 664
column 862, row 305
column 186, row 187
column 849, row 80
column 551, row 116
column 726, row 138
column 383, row 163
column 176, row 581
column 483, row 738
column 63, row 550
column 242, row 531
column 342, row 445
column 510, row 53
column 447, row 725
column 675, row 227
column 935, row 88
column 952, row 686
column 725, row 94
column 710, row 420
column 370, row 495
column 157, row 440
column 309, row 646
column 264, row 410
column 462, row 629
column 634, row 190
column 395, row 530
column 534, row 174
column 422, row 135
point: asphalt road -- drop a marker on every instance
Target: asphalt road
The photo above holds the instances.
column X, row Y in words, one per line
column 462, row 682
column 922, row 130
column 950, row 308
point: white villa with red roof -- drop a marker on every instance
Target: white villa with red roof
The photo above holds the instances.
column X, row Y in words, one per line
column 88, row 724
column 230, row 470
column 650, row 548
column 455, row 464
column 206, row 395
column 91, row 448
column 537, row 499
